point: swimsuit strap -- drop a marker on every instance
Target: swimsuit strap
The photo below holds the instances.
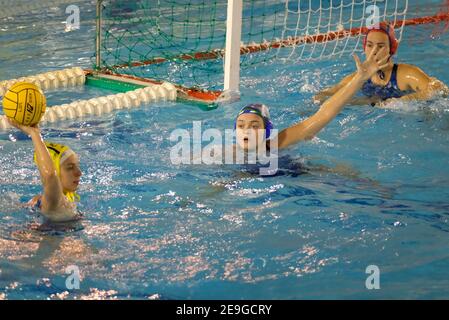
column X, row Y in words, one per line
column 394, row 76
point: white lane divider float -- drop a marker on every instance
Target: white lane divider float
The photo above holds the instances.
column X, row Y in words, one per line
column 50, row 80
column 106, row 104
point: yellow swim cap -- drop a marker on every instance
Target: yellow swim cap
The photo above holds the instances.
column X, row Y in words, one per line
column 59, row 154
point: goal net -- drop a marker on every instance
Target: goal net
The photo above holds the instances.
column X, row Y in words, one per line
column 184, row 41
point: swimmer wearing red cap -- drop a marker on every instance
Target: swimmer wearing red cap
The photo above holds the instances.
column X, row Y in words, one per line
column 395, row 81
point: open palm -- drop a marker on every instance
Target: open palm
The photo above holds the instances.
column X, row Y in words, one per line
column 372, row 64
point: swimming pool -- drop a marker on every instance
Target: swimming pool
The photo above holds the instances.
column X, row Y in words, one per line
column 156, row 230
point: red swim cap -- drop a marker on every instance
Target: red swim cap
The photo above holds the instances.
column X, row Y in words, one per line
column 389, row 31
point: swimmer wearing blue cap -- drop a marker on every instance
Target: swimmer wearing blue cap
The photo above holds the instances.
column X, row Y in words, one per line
column 394, row 82
column 256, row 116
column 60, row 175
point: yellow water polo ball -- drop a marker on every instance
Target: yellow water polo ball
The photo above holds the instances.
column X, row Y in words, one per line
column 25, row 103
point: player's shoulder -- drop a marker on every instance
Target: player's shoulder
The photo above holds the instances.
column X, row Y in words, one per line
column 409, row 69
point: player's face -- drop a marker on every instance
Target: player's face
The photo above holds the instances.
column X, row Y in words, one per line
column 376, row 41
column 250, row 130
column 70, row 174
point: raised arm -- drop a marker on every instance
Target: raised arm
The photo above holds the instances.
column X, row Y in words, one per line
column 53, row 193
column 308, row 128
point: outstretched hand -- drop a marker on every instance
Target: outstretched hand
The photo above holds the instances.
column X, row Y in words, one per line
column 372, row 64
column 29, row 130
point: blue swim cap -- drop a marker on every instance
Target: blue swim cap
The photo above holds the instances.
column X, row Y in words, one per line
column 262, row 111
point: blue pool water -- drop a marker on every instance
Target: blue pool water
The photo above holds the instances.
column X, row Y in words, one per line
column 153, row 229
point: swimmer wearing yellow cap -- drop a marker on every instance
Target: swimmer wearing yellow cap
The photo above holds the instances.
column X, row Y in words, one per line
column 60, row 175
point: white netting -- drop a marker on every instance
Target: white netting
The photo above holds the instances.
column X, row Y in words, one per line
column 307, row 19
column 183, row 41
